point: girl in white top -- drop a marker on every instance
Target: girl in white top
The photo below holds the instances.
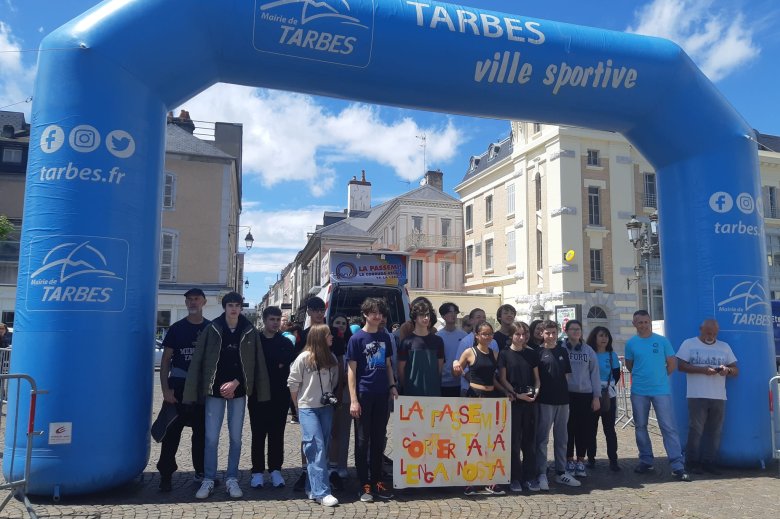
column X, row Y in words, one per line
column 313, row 380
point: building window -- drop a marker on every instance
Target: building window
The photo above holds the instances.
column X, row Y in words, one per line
column 770, row 202
column 9, row 254
column 511, row 254
column 12, row 155
column 488, row 254
column 537, row 127
column 469, row 259
column 163, row 322
column 489, row 208
column 593, row 158
column 510, row 199
column 539, row 250
column 8, row 319
column 657, row 302
column 596, row 312
column 168, row 249
column 446, row 228
column 393, row 238
column 417, row 224
column 594, row 206
column 596, row 272
column 650, row 196
column 538, row 190
column 469, row 217
column 446, row 275
column 416, row 280
column 169, row 191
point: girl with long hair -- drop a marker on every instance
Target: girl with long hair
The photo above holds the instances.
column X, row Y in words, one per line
column 482, row 362
column 600, row 339
column 313, row 381
column 584, row 397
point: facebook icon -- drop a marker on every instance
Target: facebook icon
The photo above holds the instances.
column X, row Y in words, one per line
column 721, row 202
column 52, row 138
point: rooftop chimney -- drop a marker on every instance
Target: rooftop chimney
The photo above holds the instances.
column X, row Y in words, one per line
column 183, row 121
column 358, row 194
column 434, row 179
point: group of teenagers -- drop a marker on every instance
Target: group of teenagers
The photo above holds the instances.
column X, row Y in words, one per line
column 337, row 379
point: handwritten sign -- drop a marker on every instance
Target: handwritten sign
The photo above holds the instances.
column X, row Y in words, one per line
column 441, row 442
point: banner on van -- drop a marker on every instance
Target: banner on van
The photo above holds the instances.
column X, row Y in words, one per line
column 380, row 269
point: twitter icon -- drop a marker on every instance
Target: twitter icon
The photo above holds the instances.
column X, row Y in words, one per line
column 120, row 144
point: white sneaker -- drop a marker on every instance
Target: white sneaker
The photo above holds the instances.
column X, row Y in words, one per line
column 257, row 480
column 205, row 490
column 543, row 483
column 231, row 485
column 276, row 479
column 328, row 500
column 567, row 479
column 532, row 485
column 515, row 486
column 579, row 470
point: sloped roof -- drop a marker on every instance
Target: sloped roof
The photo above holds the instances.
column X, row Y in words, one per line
column 426, row 192
column 505, row 150
column 15, row 119
column 342, row 228
column 178, row 140
column 768, row 142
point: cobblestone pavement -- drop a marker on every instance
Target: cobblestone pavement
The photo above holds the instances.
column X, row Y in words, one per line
column 735, row 494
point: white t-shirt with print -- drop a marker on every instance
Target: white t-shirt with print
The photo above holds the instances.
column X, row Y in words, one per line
column 696, row 353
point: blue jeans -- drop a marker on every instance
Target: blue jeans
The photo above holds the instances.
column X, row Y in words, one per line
column 665, row 415
column 215, row 414
column 315, row 437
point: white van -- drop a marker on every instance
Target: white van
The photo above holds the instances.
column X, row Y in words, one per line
column 349, row 277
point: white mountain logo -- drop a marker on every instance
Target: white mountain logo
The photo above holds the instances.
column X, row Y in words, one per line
column 76, row 259
column 314, row 10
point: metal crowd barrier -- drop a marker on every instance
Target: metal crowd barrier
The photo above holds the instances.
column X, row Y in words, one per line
column 774, row 413
column 624, row 401
column 18, row 487
column 5, row 362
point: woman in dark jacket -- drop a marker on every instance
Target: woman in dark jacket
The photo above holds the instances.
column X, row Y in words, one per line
column 600, row 339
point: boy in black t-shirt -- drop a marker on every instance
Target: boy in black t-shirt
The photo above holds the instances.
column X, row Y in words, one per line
column 518, row 372
column 553, row 407
column 506, row 318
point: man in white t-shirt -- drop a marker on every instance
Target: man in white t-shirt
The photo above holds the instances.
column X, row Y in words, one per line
column 707, row 362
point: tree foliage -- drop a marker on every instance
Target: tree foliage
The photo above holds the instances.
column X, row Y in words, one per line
column 6, row 227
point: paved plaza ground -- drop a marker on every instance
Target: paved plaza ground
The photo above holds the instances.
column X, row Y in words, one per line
column 604, row 494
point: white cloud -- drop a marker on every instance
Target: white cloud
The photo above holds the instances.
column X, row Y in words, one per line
column 719, row 41
column 294, row 137
column 284, row 229
column 16, row 81
column 267, row 261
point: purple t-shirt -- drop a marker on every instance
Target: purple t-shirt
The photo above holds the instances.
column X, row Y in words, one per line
column 370, row 351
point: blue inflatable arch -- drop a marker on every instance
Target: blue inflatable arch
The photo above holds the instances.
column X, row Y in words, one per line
column 88, row 269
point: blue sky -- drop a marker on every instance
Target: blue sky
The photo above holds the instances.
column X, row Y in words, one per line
column 735, row 42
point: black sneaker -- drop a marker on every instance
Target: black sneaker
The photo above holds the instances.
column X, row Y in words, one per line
column 382, row 492
column 643, row 468
column 300, row 484
column 165, row 484
column 336, row 482
column 591, row 463
column 613, row 466
column 681, row 475
column 693, row 468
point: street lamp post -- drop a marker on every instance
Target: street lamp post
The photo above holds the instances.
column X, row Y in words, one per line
column 644, row 238
column 249, row 240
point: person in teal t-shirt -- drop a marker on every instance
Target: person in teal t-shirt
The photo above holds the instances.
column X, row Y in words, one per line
column 650, row 359
column 600, row 339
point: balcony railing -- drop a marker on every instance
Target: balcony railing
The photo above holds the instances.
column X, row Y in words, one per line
column 650, row 200
column 416, row 241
